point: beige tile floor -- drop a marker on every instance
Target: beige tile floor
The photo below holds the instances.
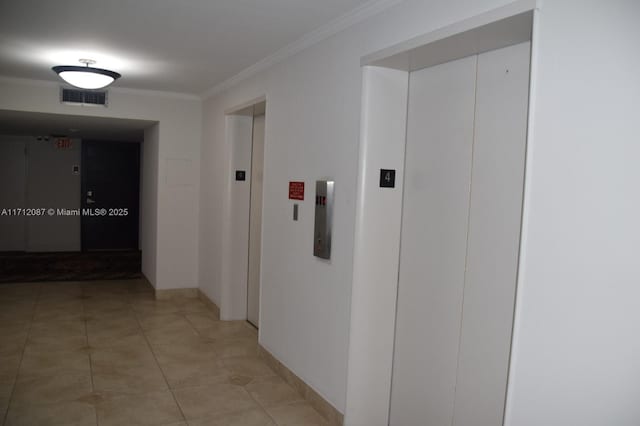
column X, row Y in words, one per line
column 107, row 353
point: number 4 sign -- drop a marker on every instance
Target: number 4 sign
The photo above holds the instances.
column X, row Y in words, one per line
column 387, row 178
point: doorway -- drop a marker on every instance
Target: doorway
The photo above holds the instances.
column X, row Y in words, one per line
column 110, row 195
column 464, row 171
column 240, row 269
column 255, row 215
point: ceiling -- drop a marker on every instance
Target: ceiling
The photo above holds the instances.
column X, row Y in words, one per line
column 83, row 127
column 185, row 46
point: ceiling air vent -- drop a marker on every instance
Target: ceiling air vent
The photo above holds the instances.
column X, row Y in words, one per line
column 83, row 97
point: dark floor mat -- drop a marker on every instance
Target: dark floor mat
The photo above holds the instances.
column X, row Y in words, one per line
column 76, row 266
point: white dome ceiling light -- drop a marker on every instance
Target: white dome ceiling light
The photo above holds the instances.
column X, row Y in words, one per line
column 86, row 77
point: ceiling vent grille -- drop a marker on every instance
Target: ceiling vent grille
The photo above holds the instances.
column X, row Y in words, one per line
column 83, row 97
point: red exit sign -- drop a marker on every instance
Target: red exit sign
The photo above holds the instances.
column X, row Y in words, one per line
column 63, row 143
column 296, row 190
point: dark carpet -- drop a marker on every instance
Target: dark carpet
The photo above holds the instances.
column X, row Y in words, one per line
column 69, row 266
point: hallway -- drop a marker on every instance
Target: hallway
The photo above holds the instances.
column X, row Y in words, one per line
column 108, row 353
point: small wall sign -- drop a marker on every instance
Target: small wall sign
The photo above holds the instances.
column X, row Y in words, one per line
column 241, row 175
column 387, row 178
column 296, row 190
column 63, row 143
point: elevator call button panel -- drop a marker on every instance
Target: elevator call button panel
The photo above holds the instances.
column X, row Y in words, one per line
column 323, row 219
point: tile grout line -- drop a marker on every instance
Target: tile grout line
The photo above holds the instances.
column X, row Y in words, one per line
column 37, row 297
column 264, row 408
column 302, row 400
column 86, row 330
column 194, row 326
column 328, row 420
column 135, row 314
column 260, row 406
column 40, row 296
column 24, row 347
column 126, row 298
column 183, row 314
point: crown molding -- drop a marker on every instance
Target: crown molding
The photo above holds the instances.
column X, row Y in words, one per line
column 339, row 24
column 140, row 92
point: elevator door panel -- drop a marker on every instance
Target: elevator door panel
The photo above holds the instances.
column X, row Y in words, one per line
column 494, row 235
column 460, row 237
column 434, row 239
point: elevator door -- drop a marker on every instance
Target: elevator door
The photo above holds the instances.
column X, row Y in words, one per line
column 466, row 136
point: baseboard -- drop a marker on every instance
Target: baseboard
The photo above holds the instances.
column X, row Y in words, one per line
column 328, row 411
column 177, row 293
column 324, row 407
column 210, row 303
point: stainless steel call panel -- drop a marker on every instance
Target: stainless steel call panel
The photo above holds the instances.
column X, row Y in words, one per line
column 323, row 220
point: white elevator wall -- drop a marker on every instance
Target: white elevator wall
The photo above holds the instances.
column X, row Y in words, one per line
column 12, row 192
column 434, row 240
column 466, row 140
column 255, row 221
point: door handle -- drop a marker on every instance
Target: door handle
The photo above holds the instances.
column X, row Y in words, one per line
column 90, row 201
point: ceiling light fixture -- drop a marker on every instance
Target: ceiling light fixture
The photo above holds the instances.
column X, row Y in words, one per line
column 86, row 77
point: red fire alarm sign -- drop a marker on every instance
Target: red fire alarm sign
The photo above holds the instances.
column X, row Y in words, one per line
column 296, row 190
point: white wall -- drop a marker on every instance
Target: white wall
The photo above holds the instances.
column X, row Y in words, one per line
column 178, row 149
column 581, row 230
column 375, row 266
column 213, row 174
column 148, row 200
column 576, row 349
column 38, row 175
column 51, row 183
column 312, row 132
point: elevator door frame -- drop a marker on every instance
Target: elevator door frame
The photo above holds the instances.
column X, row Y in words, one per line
column 236, row 208
column 378, row 211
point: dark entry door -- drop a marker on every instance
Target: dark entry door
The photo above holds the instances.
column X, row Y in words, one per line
column 110, row 195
